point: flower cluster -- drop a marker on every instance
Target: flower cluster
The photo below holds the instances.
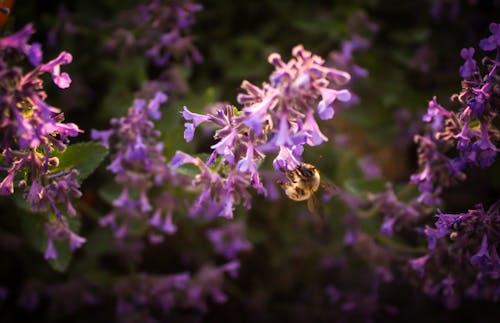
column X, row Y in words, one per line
column 230, row 239
column 138, row 293
column 158, row 27
column 437, row 169
column 32, row 130
column 472, row 129
column 280, row 116
column 138, row 164
column 358, row 24
column 159, row 30
column 470, row 241
column 397, row 214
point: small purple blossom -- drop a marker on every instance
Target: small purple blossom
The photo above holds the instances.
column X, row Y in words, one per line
column 469, row 69
column 396, row 213
column 230, row 239
column 19, row 42
column 493, row 41
column 418, row 264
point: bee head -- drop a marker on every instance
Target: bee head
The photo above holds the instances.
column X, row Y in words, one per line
column 307, row 170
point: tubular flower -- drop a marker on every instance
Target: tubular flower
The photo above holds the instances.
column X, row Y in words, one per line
column 32, row 130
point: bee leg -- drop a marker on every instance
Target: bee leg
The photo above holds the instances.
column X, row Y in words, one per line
column 281, row 184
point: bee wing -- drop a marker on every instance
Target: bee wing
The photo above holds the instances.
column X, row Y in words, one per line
column 314, row 206
column 328, row 188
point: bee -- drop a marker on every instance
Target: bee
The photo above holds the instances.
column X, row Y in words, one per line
column 302, row 184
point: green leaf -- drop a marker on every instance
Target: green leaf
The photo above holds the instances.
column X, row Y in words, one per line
column 33, row 226
column 85, row 157
column 188, row 169
column 20, row 202
column 193, row 170
column 110, row 192
column 364, row 186
column 64, row 256
column 64, row 252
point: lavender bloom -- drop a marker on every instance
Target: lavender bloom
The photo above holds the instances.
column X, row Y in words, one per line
column 493, row 41
column 219, row 194
column 159, row 30
column 479, row 105
column 472, row 129
column 59, row 230
column 471, row 240
column 370, row 167
column 437, row 170
column 278, row 116
column 166, row 292
column 19, row 42
column 139, row 165
column 32, row 130
column 470, row 68
column 208, row 282
column 360, row 27
column 396, row 213
column 141, row 290
column 289, row 102
column 418, row 265
column 230, row 239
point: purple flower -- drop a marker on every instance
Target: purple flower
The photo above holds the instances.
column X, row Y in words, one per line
column 208, row 282
column 286, row 160
column 387, row 226
column 7, row 185
column 230, row 239
column 418, row 264
column 333, row 294
column 282, row 136
column 19, row 41
column 29, row 139
column 436, row 114
column 160, row 31
column 277, row 117
column 311, row 128
column 59, row 230
column 139, row 165
column 482, row 256
column 325, row 109
column 464, row 259
column 493, row 41
column 394, row 211
column 50, row 251
column 469, row 69
column 196, row 119
column 218, row 194
column 54, row 68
